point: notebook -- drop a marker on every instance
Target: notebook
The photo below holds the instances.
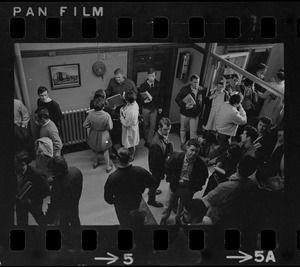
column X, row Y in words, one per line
column 115, row 100
column 189, row 100
column 145, row 95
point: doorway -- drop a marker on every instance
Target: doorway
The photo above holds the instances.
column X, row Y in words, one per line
column 164, row 61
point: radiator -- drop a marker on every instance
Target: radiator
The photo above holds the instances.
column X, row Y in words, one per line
column 72, row 130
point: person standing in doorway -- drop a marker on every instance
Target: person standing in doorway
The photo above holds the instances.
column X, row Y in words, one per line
column 189, row 112
column 151, row 106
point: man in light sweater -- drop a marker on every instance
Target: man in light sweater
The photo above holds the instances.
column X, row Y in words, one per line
column 49, row 129
column 228, row 117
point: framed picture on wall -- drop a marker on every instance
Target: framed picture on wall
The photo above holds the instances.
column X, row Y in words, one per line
column 64, row 76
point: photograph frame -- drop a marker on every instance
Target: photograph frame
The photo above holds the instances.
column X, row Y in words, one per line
column 67, row 78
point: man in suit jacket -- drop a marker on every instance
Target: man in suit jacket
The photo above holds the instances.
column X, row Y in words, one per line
column 160, row 150
column 32, row 188
column 187, row 173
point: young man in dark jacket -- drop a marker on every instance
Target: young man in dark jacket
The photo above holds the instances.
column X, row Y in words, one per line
column 189, row 112
column 65, row 193
column 125, row 186
column 150, row 106
column 160, row 150
column 32, row 188
column 187, row 173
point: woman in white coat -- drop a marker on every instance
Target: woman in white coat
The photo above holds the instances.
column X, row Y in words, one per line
column 130, row 123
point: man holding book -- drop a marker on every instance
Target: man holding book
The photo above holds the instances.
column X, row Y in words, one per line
column 190, row 99
column 151, row 99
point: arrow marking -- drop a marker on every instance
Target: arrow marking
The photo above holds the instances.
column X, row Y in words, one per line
column 111, row 260
column 244, row 257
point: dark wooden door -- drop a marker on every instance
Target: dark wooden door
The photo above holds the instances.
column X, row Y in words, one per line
column 163, row 60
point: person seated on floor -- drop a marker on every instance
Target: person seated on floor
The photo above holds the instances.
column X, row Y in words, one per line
column 265, row 141
column 248, row 137
column 194, row 213
column 224, row 167
column 221, row 200
column 208, row 141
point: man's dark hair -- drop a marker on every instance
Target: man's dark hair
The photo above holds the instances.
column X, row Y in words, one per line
column 265, row 120
column 59, row 164
column 196, row 207
column 42, row 113
column 119, row 71
column 246, row 166
column 280, row 75
column 98, row 103
column 130, row 96
column 42, row 89
column 194, row 76
column 100, row 93
column 234, row 75
column 151, row 70
column 23, row 156
column 235, row 99
column 124, row 155
column 164, row 121
column 248, row 82
column 210, row 137
column 252, row 132
column 193, row 142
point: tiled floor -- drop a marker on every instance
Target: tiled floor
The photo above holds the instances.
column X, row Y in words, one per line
column 93, row 210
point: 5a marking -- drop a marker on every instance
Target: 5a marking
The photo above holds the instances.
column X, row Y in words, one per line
column 258, row 256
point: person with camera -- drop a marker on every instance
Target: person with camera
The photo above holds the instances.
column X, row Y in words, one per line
column 187, row 173
column 32, row 188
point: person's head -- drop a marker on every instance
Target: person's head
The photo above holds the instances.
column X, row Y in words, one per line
column 263, row 125
column 208, row 136
column 234, row 151
column 236, row 99
column 119, row 75
column 58, row 166
column 250, row 134
column 124, row 155
column 42, row 115
column 280, row 135
column 248, row 83
column 192, row 149
column 268, row 178
column 195, row 79
column 43, row 93
column 193, row 211
column 21, row 160
column 164, row 126
column 99, row 103
column 221, row 85
column 262, row 69
column 130, row 96
column 151, row 74
column 234, row 79
column 246, row 166
column 100, row 93
column 280, row 76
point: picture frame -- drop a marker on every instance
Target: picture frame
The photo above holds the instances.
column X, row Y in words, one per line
column 65, row 76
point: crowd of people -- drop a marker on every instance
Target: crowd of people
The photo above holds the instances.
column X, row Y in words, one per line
column 241, row 141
